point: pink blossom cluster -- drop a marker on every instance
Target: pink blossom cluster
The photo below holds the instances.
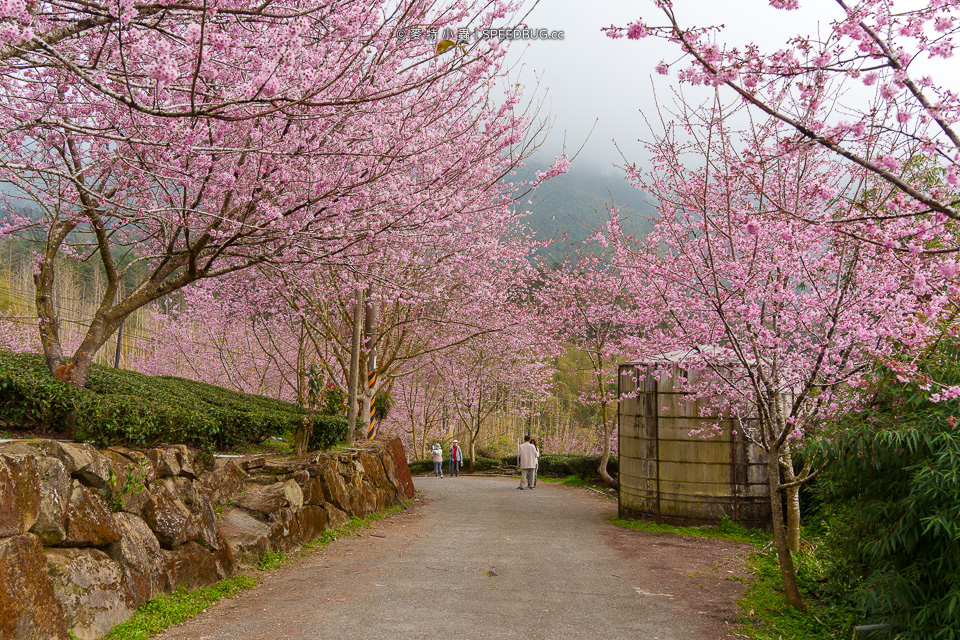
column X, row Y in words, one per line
column 909, row 121
column 766, row 304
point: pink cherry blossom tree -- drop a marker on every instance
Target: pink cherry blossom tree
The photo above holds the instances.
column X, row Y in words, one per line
column 781, row 317
column 186, row 196
column 865, row 89
column 585, row 298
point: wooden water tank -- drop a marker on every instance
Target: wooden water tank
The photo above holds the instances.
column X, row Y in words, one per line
column 671, row 477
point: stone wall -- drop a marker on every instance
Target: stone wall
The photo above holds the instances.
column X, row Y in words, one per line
column 68, row 561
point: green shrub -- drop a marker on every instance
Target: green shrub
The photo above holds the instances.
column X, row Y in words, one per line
column 563, row 465
column 482, row 464
column 327, row 431
column 892, row 490
column 123, row 407
column 423, row 467
column 420, row 467
column 30, row 397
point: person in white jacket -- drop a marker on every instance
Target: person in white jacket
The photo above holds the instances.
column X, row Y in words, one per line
column 528, row 462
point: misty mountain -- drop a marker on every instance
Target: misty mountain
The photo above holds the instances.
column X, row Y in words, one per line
column 565, row 207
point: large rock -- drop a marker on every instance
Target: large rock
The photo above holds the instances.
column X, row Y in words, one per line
column 164, row 462
column 206, row 521
column 285, row 534
column 335, row 489
column 313, row 492
column 29, row 610
column 266, row 503
column 184, row 460
column 335, row 517
column 82, row 461
column 248, row 537
column 51, row 524
column 359, row 500
column 90, row 587
column 138, row 554
column 400, row 472
column 288, row 467
column 182, row 488
column 225, row 482
column 249, row 463
column 302, row 478
column 19, row 494
column 133, row 473
column 169, row 518
column 89, row 521
column 190, row 566
column 373, row 470
column 312, row 520
column 364, row 501
column 122, row 456
column 226, row 562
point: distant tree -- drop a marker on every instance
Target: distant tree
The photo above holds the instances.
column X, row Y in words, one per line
column 585, row 298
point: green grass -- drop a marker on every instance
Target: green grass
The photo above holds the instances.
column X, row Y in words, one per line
column 282, row 446
column 574, row 481
column 725, row 530
column 273, row 560
column 766, row 616
column 765, row 613
column 165, row 611
column 579, row 481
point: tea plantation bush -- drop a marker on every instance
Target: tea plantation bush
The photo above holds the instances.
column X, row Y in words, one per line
column 123, row 407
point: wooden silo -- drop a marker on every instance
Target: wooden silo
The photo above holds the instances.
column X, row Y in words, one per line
column 671, row 477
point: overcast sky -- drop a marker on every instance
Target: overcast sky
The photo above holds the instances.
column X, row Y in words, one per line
column 589, row 77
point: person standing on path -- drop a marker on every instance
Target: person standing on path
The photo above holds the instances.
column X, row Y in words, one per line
column 456, row 459
column 527, row 461
column 437, row 460
column 536, row 468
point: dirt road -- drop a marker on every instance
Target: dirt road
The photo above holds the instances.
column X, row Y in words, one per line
column 475, row 558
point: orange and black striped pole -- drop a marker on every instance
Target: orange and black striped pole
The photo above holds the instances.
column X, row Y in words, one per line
column 371, row 386
column 371, row 331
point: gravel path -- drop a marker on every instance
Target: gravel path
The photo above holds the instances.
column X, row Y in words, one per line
column 476, row 558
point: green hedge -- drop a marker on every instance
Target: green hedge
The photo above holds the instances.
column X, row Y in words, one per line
column 550, row 465
column 571, row 465
column 123, row 407
column 422, row 467
column 327, row 431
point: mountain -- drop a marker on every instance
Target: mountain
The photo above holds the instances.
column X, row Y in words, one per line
column 565, row 207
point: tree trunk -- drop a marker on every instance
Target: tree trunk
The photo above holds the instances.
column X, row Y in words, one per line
column 354, row 367
column 793, row 502
column 609, row 480
column 301, row 442
column 101, row 328
column 785, row 558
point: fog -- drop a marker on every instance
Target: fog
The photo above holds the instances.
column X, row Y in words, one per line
column 594, row 82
